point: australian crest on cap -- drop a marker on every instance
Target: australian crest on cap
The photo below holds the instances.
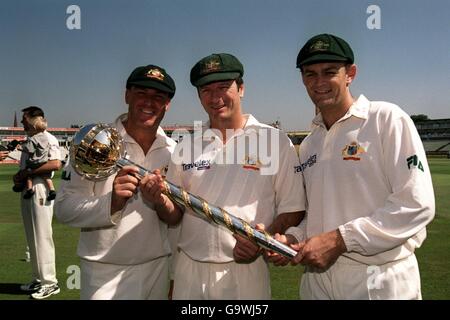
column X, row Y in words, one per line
column 319, row 45
column 155, row 74
column 211, row 66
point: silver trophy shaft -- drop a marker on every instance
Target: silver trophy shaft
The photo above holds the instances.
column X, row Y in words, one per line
column 122, row 162
column 215, row 214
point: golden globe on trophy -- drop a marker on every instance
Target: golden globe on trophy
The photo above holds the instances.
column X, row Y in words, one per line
column 97, row 152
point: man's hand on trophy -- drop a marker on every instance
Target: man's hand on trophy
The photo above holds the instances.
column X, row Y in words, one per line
column 320, row 251
column 124, row 187
column 245, row 250
column 276, row 258
column 152, row 187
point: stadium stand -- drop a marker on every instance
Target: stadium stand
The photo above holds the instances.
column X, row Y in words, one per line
column 435, row 134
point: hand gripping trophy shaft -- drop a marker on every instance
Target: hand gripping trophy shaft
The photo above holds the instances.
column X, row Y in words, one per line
column 216, row 214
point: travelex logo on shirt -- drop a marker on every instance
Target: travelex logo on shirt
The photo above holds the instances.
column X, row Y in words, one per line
column 200, row 165
column 308, row 163
column 253, row 148
column 250, row 162
column 353, row 151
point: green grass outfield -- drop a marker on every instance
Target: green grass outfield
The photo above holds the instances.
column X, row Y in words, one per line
column 433, row 256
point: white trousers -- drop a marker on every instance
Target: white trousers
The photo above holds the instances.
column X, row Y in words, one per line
column 37, row 215
column 216, row 281
column 146, row 281
column 351, row 280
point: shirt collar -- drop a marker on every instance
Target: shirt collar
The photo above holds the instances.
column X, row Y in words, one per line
column 161, row 141
column 250, row 122
column 359, row 109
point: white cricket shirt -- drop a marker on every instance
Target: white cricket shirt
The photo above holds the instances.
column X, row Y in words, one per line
column 136, row 235
column 239, row 187
column 53, row 149
column 368, row 176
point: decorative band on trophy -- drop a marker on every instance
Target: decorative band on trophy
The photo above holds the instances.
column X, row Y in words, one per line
column 227, row 220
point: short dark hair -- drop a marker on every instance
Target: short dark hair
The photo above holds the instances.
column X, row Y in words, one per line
column 239, row 81
column 346, row 65
column 33, row 111
column 131, row 86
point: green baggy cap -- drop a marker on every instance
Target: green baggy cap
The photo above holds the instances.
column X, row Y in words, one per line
column 323, row 48
column 154, row 77
column 216, row 67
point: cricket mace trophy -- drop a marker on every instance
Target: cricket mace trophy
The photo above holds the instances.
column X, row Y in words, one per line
column 97, row 151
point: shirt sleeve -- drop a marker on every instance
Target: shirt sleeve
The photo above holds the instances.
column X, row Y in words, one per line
column 410, row 205
column 299, row 232
column 288, row 181
column 28, row 146
column 77, row 205
column 54, row 153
